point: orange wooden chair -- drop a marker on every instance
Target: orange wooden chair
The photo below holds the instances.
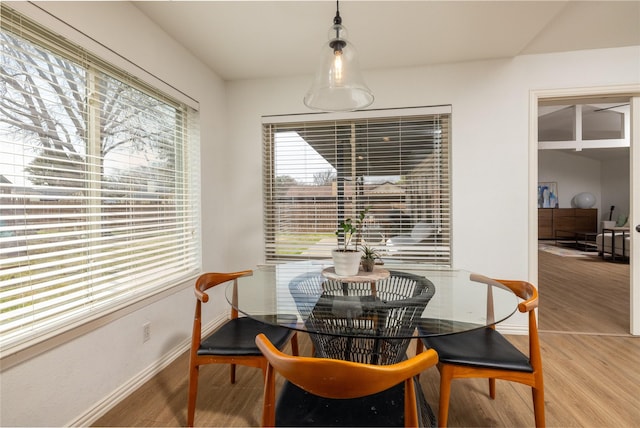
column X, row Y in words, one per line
column 233, row 342
column 485, row 353
column 330, row 392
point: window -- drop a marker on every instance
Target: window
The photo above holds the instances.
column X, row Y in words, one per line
column 602, row 123
column 99, row 185
column 318, row 171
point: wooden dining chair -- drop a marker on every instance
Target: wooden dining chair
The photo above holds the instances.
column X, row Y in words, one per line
column 330, row 392
column 485, row 353
column 231, row 343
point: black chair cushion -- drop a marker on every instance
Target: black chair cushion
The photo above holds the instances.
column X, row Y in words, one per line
column 297, row 407
column 238, row 337
column 484, row 348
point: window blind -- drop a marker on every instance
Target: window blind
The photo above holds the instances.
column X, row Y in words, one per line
column 318, row 172
column 99, row 185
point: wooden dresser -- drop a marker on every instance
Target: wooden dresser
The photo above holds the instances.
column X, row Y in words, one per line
column 566, row 219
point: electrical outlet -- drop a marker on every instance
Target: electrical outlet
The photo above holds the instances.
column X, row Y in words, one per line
column 146, row 332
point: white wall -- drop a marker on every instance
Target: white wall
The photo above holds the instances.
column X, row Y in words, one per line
column 615, row 187
column 77, row 378
column 489, row 142
column 574, row 174
column 490, row 101
column 66, row 385
column 608, row 180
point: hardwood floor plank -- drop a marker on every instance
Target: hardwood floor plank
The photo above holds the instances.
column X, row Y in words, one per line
column 590, row 381
column 590, row 368
column 583, row 294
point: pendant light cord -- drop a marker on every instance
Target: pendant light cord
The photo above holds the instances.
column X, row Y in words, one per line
column 337, row 20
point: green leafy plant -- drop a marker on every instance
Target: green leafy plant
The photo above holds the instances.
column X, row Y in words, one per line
column 349, row 229
column 369, row 257
column 369, row 253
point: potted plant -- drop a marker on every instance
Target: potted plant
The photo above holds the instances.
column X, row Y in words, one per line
column 369, row 257
column 346, row 259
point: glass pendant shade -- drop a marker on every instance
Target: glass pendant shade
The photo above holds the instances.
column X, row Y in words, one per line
column 338, row 84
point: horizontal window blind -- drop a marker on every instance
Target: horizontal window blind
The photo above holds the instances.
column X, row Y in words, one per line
column 318, row 172
column 99, row 186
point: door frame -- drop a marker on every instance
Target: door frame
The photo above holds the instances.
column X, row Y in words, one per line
column 633, row 92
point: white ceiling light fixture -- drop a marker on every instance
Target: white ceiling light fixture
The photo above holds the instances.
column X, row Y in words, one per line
column 338, row 84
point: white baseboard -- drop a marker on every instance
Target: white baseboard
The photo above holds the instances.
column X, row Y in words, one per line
column 109, row 402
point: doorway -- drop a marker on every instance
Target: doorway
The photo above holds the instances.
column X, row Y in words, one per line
column 609, row 307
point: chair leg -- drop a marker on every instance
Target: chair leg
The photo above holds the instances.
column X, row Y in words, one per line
column 294, row 344
column 538, row 406
column 269, row 399
column 446, row 376
column 232, row 372
column 492, row 388
column 193, row 392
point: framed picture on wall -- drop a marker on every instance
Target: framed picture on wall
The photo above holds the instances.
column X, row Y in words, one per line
column 548, row 194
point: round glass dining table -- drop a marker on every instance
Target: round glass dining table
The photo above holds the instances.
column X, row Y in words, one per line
column 391, row 302
column 371, row 317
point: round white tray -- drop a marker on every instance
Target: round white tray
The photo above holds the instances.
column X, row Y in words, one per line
column 362, row 276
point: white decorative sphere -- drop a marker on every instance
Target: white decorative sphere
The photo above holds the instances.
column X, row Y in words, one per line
column 584, row 200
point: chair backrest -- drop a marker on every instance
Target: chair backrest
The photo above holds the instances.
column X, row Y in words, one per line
column 205, row 282
column 211, row 279
column 529, row 294
column 331, row 378
column 345, row 310
column 523, row 290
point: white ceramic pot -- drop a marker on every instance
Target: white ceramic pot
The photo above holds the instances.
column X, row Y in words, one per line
column 346, row 263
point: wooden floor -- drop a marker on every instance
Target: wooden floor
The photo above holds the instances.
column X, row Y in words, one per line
column 591, row 379
column 583, row 294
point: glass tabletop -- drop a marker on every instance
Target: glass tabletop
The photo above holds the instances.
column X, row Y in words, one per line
column 400, row 304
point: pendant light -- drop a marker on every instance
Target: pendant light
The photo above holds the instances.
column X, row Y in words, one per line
column 338, row 84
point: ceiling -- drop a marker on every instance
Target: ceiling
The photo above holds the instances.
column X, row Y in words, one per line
column 261, row 39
